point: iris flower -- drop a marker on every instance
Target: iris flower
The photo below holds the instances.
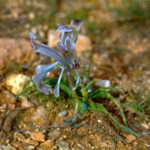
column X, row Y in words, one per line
column 65, row 56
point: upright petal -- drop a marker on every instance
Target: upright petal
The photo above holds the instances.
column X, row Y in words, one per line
column 44, row 49
column 56, row 90
column 77, row 79
column 78, row 24
column 61, row 47
column 70, row 45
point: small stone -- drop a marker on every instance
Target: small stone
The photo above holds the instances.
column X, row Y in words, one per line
column 25, row 103
column 40, row 117
column 30, row 147
column 103, row 83
column 16, row 82
column 63, row 145
column 6, row 97
column 145, row 126
column 3, row 147
column 47, row 144
column 18, row 136
column 54, row 134
column 62, row 114
column 83, row 43
column 33, row 142
column 31, row 15
column 130, row 138
column 38, row 137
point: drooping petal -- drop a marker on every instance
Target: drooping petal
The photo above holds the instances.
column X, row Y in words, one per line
column 56, row 90
column 63, row 28
column 44, row 49
column 78, row 24
column 70, row 45
column 38, row 82
column 41, row 71
column 77, row 79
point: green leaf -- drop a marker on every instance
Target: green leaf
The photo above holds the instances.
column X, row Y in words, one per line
column 122, row 127
column 148, row 99
column 117, row 102
column 25, row 91
column 101, row 108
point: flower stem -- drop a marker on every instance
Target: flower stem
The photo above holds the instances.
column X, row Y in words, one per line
column 69, row 78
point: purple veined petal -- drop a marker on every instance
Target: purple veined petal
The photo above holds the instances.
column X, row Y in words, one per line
column 45, row 68
column 63, row 28
column 56, row 90
column 70, row 45
column 37, row 79
column 61, row 47
column 77, row 79
column 41, row 71
column 76, row 22
column 44, row 49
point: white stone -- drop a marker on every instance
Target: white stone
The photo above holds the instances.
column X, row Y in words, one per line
column 62, row 114
column 103, row 83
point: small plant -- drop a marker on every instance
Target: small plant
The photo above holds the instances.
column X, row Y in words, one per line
column 65, row 56
column 83, row 98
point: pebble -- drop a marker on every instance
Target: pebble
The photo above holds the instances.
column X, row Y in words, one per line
column 3, row 147
column 40, row 117
column 7, row 97
column 54, row 134
column 103, row 83
column 30, row 147
column 33, row 142
column 25, row 103
column 38, row 137
column 47, row 144
column 63, row 145
column 18, row 136
column 130, row 138
column 31, row 15
column 15, row 82
column 62, row 114
column 145, row 126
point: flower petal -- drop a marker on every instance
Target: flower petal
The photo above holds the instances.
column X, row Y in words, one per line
column 61, row 47
column 56, row 90
column 42, row 68
column 77, row 79
column 63, row 28
column 70, row 45
column 44, row 49
column 76, row 22
column 41, row 87
column 41, row 71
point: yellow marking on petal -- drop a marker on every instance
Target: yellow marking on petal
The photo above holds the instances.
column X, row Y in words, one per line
column 74, row 31
column 73, row 63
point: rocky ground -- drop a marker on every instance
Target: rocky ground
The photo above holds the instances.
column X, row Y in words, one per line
column 120, row 54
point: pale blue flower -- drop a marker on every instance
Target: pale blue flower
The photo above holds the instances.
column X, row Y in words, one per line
column 65, row 57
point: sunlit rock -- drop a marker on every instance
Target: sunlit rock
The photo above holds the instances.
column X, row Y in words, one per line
column 16, row 82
